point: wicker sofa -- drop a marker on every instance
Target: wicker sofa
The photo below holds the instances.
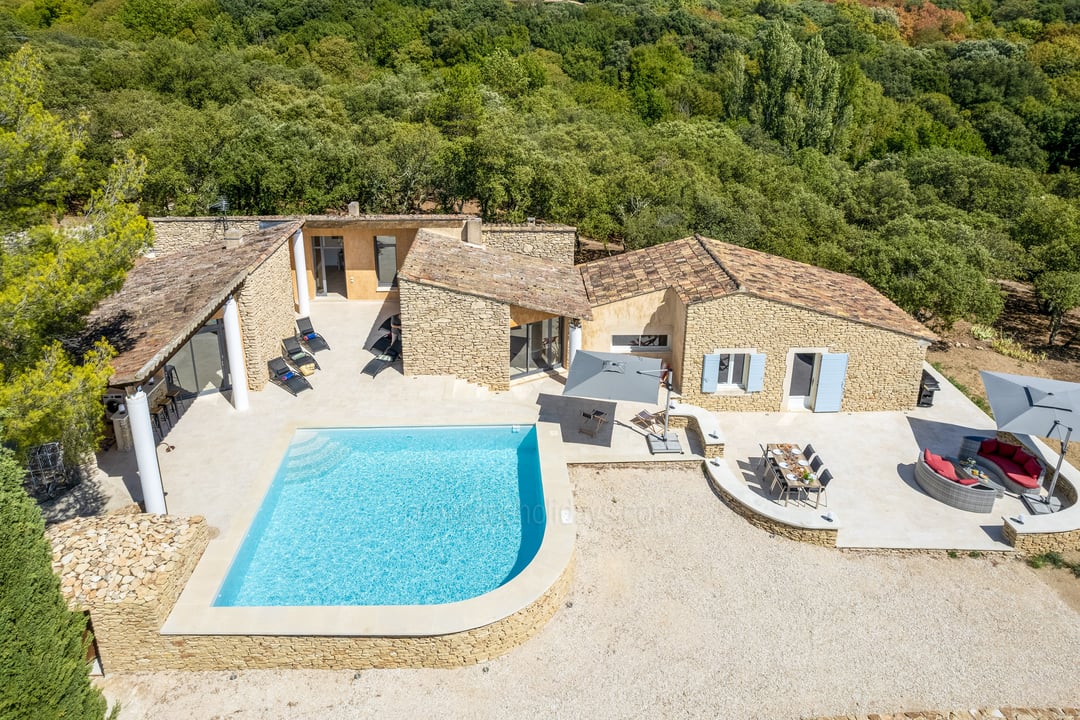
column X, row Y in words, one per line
column 1009, row 465
column 941, row 479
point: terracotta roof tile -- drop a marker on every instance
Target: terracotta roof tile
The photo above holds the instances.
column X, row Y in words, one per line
column 165, row 300
column 701, row 269
column 486, row 272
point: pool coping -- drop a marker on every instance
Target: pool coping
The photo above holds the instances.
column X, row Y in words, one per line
column 195, row 614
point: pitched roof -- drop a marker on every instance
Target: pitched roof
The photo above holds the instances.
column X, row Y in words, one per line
column 701, row 269
column 165, row 300
column 512, row 278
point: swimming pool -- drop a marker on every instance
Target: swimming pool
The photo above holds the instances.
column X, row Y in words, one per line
column 392, row 516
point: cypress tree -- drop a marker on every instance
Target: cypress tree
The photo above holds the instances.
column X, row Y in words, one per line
column 42, row 651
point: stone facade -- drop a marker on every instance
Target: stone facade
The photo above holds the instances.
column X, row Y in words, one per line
column 884, row 367
column 444, row 332
column 128, row 571
column 550, row 242
column 183, row 233
column 266, row 313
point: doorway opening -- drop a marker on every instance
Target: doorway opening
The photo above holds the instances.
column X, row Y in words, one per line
column 801, row 387
column 536, row 347
column 328, row 265
column 202, row 363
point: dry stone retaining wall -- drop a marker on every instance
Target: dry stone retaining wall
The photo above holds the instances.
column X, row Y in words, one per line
column 266, row 314
column 129, row 570
column 826, row 537
column 444, row 332
column 884, row 367
column 184, row 233
column 1005, row 713
column 550, row 242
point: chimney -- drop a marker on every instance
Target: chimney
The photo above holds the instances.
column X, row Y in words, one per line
column 234, row 238
column 354, row 209
column 472, row 231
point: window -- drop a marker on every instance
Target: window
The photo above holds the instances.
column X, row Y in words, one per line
column 733, row 369
column 386, row 261
column 639, row 343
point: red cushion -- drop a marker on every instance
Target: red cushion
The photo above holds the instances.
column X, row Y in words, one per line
column 965, row 480
column 1006, row 450
column 988, row 446
column 940, row 465
column 1033, row 468
column 1022, row 478
column 1021, row 457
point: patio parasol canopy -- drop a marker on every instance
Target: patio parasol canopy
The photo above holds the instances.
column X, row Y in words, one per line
column 613, row 376
column 1035, row 406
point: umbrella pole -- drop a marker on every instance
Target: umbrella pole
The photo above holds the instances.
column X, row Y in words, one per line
column 667, row 403
column 1061, row 459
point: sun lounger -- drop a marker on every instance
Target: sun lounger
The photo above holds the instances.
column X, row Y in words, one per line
column 649, row 422
column 297, row 355
column 283, row 375
column 313, row 340
column 383, row 360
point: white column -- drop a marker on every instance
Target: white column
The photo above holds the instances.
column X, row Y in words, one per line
column 575, row 339
column 300, row 261
column 234, row 346
column 142, row 436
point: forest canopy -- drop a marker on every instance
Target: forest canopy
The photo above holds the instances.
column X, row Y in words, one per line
column 928, row 148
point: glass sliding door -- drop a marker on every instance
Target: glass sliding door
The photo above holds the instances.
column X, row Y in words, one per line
column 202, row 363
column 536, row 347
column 386, row 261
column 328, row 264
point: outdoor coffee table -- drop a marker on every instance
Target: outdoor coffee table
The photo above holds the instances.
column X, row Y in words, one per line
column 985, row 478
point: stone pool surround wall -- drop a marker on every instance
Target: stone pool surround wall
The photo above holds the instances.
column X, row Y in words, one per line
column 127, row 616
column 266, row 306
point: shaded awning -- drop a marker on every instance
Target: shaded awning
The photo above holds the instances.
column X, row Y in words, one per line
column 614, row 376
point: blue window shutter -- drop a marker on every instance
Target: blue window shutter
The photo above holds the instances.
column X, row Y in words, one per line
column 755, row 375
column 831, row 377
column 710, row 369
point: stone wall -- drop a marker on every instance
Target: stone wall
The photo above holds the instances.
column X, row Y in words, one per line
column 444, row 332
column 1039, row 543
column 551, row 242
column 1001, row 713
column 266, row 313
column 825, row 537
column 884, row 367
column 183, row 233
column 129, row 570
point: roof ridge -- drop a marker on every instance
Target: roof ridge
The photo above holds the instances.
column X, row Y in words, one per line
column 717, row 260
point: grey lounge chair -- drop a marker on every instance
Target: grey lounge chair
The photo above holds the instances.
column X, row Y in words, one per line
column 296, row 354
column 972, row 498
column 383, row 360
column 313, row 340
column 283, row 375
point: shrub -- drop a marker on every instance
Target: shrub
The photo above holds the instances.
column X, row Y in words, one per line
column 983, row 332
column 1010, row 348
column 43, row 670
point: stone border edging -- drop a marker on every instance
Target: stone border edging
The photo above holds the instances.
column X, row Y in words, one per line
column 769, row 516
column 1008, row 713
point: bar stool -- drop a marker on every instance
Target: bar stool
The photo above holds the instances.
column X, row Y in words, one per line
column 159, row 414
column 173, row 391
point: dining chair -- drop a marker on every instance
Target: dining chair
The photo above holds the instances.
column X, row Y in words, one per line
column 808, row 451
column 816, row 464
column 824, row 478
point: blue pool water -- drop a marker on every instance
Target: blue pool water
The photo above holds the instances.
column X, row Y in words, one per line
column 392, row 516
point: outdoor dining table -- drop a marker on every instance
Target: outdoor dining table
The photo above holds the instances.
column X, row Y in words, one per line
column 797, row 473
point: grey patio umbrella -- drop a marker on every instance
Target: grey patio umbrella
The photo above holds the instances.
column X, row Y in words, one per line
column 1035, row 406
column 615, row 376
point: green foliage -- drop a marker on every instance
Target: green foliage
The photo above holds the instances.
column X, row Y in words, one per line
column 876, row 140
column 43, row 671
column 1059, row 292
column 38, row 153
column 51, row 276
column 1054, row 559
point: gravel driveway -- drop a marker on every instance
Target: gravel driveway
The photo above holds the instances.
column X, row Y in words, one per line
column 681, row 609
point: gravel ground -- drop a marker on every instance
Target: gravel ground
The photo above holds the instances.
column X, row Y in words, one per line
column 681, row 609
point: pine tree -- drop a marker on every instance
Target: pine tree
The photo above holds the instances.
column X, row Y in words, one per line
column 42, row 650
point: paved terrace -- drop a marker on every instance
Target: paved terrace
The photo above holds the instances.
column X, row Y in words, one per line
column 210, row 459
